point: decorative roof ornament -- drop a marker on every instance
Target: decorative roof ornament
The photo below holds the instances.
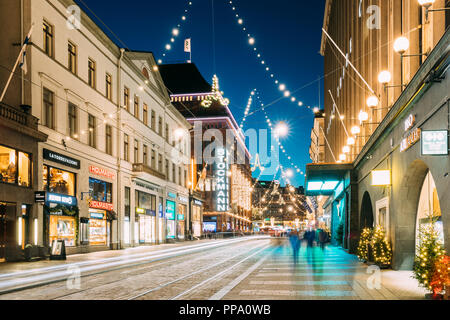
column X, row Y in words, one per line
column 216, row 95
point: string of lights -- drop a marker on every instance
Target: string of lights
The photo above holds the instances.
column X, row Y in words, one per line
column 175, row 32
column 271, row 75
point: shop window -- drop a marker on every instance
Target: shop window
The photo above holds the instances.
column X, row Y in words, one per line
column 59, row 181
column 100, row 190
column 15, row 167
column 127, row 202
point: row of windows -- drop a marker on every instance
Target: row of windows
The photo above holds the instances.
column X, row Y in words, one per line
column 48, row 31
column 151, row 162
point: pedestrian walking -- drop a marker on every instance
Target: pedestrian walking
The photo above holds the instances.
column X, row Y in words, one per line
column 323, row 239
column 295, row 244
column 311, row 238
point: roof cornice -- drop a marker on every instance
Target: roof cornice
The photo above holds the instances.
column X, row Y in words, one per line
column 326, row 22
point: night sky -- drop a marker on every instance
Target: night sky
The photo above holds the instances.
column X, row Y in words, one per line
column 287, row 34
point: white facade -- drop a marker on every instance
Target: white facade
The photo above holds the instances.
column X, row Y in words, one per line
column 126, row 71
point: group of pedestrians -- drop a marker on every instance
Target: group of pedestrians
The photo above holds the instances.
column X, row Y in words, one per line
column 311, row 236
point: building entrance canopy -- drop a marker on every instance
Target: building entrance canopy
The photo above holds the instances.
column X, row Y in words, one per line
column 325, row 179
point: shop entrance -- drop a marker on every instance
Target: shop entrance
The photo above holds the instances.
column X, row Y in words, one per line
column 429, row 209
column 7, row 227
column 366, row 212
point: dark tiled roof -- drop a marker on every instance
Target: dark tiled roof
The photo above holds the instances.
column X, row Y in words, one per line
column 184, row 78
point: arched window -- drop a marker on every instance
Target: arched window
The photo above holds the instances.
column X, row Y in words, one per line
column 145, row 73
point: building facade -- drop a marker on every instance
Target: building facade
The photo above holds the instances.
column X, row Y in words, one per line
column 111, row 168
column 222, row 173
column 395, row 173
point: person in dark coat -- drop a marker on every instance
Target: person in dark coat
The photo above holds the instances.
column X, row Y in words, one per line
column 295, row 244
column 323, row 238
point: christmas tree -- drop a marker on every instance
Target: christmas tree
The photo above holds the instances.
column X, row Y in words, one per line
column 430, row 252
column 381, row 249
column 364, row 244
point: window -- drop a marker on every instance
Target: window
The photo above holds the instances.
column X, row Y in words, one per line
column 48, row 39
column 126, row 98
column 179, row 176
column 73, row 121
column 100, row 190
column 136, row 151
column 59, row 181
column 167, row 169
column 160, row 126
column 49, row 109
column 160, row 163
column 72, row 53
column 126, row 144
column 108, row 139
column 145, row 114
column 174, row 174
column 92, row 131
column 91, row 73
column 108, row 86
column 153, row 159
column 153, row 120
column 127, row 202
column 167, row 133
column 145, row 154
column 185, row 179
column 136, row 106
column 15, row 167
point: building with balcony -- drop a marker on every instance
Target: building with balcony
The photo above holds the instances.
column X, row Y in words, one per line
column 112, row 171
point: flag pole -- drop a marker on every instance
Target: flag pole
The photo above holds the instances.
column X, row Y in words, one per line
column 24, row 47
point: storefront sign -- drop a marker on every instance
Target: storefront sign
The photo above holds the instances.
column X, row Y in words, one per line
column 101, row 172
column 140, row 211
column 61, row 199
column 172, row 195
column 97, row 215
column 409, row 122
column 221, row 173
column 435, row 143
column 39, row 196
column 161, row 211
column 61, row 159
column 170, row 210
column 101, row 205
column 198, row 203
column 381, row 178
column 183, row 199
column 411, row 140
column 180, row 217
column 150, row 213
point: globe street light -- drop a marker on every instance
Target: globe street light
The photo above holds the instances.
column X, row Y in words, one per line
column 401, row 45
column 372, row 101
column 356, row 130
column 384, row 77
column 363, row 116
column 427, row 4
column 351, row 141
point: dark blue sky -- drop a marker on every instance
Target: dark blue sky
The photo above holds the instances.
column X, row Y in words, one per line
column 287, row 34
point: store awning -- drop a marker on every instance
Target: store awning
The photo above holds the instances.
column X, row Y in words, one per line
column 323, row 179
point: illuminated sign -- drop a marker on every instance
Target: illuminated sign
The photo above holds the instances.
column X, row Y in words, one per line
column 170, row 210
column 221, row 173
column 61, row 159
column 183, row 199
column 322, row 186
column 411, row 140
column 435, row 143
column 140, row 211
column 172, row 195
column 97, row 215
column 180, row 217
column 381, row 178
column 101, row 172
column 198, row 203
column 101, row 205
column 409, row 122
column 209, row 226
column 61, row 199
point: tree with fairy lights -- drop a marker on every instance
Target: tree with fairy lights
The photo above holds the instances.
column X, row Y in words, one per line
column 381, row 249
column 364, row 245
column 429, row 253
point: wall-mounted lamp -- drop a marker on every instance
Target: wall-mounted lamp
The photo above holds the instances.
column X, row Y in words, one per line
column 427, row 5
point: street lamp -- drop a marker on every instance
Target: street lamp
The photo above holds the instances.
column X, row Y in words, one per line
column 356, row 130
column 384, row 77
column 427, row 4
column 346, row 149
column 363, row 116
column 372, row 101
column 351, row 141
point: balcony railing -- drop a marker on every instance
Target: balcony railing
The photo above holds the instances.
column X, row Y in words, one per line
column 10, row 113
column 143, row 168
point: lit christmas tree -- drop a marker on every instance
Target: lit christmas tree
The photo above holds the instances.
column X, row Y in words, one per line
column 430, row 252
column 364, row 244
column 381, row 249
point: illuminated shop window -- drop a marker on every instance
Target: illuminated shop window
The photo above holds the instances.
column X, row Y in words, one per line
column 100, row 190
column 59, row 181
column 15, row 167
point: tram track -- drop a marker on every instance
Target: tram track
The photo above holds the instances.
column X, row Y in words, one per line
column 14, row 282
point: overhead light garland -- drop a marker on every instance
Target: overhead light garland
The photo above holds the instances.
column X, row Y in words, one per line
column 252, row 42
column 176, row 32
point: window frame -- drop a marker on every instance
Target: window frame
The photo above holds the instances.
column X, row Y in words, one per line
column 108, row 86
column 108, row 140
column 92, row 131
column 72, row 120
column 92, row 73
column 45, row 111
column 48, row 45
column 72, row 65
